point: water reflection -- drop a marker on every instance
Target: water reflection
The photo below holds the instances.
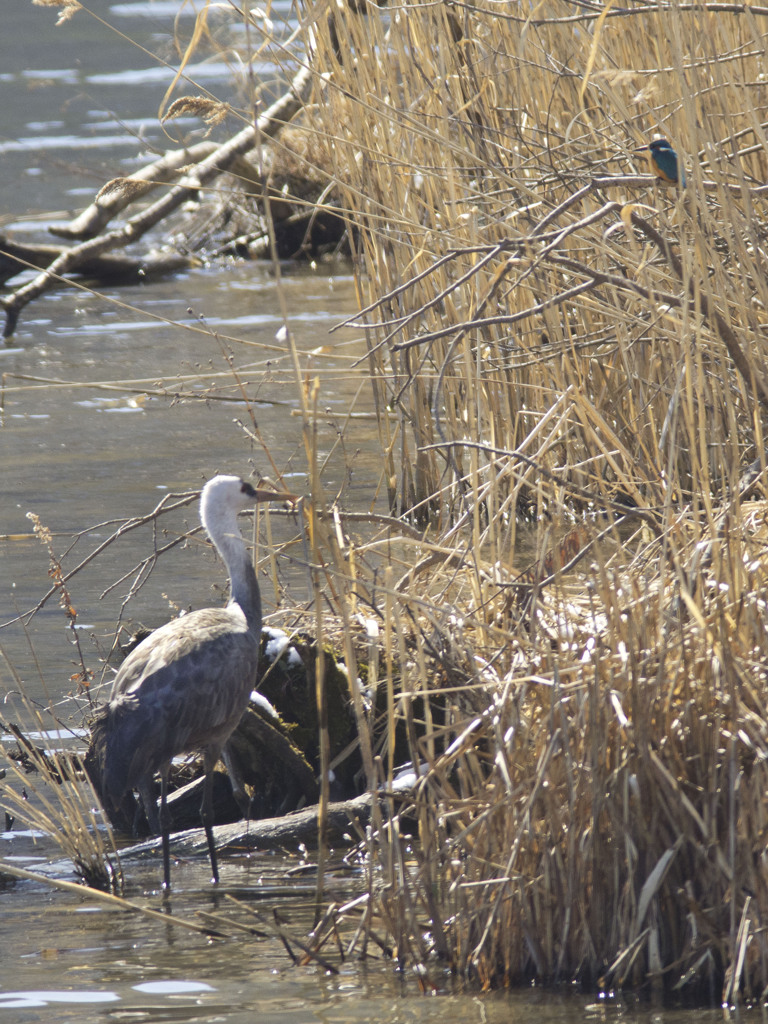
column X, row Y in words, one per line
column 32, row 1000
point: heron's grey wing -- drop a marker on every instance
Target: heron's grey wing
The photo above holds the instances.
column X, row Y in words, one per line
column 185, row 687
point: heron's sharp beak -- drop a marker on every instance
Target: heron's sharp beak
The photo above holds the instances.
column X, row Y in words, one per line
column 267, row 494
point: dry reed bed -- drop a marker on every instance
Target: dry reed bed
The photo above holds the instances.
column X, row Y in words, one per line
column 550, row 331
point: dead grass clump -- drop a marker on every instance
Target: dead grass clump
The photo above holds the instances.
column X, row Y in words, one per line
column 599, row 816
column 50, row 790
column 51, row 793
column 489, row 163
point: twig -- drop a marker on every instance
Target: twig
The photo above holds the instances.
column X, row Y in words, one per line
column 126, row 526
column 281, row 932
column 646, row 514
column 751, row 374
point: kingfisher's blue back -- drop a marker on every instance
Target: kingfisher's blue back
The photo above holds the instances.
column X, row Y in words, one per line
column 665, row 162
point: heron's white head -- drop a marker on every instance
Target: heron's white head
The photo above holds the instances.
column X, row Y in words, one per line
column 223, row 497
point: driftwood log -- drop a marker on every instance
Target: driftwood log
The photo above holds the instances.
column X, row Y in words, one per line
column 16, row 257
column 345, row 819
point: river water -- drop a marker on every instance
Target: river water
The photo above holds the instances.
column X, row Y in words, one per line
column 110, row 402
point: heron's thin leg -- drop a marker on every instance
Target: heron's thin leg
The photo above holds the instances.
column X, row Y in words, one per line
column 164, row 829
column 206, row 812
column 146, row 789
column 238, row 786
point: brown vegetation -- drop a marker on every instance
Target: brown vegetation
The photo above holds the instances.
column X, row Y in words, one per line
column 550, row 332
column 555, row 338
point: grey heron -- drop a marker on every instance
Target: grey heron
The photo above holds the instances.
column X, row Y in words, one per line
column 186, row 686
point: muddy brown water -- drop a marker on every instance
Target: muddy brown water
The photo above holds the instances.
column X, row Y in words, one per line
column 75, row 100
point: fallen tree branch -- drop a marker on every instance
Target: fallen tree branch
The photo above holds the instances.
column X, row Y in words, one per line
column 270, row 122
column 121, row 192
column 287, row 830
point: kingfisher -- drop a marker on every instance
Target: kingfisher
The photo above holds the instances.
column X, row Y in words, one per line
column 665, row 162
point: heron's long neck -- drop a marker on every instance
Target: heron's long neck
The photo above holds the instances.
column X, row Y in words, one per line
column 244, row 588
